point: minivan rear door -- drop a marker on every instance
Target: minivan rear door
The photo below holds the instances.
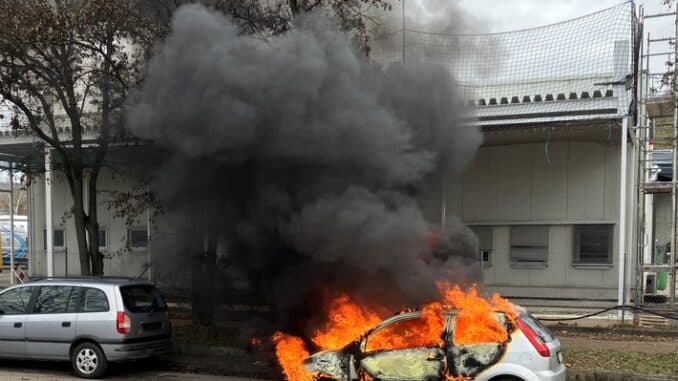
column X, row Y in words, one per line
column 147, row 311
column 95, row 319
column 14, row 304
column 50, row 329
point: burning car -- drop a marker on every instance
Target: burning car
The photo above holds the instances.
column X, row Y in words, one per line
column 452, row 345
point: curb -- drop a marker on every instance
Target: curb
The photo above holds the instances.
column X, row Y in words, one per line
column 623, row 331
column 198, row 358
column 597, row 375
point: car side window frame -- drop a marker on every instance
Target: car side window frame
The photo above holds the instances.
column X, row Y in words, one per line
column 397, row 320
column 83, row 300
column 35, row 295
column 29, row 304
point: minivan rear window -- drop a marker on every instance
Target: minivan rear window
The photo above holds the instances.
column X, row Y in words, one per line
column 143, row 298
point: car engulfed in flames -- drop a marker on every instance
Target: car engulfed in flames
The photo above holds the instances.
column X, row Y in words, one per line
column 455, row 339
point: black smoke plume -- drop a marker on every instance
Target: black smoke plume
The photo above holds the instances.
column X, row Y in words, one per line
column 306, row 159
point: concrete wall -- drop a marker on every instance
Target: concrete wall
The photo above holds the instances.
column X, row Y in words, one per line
column 66, row 260
column 516, row 185
column 506, row 185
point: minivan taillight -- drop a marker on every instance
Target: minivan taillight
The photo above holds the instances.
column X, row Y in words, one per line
column 534, row 339
column 123, row 323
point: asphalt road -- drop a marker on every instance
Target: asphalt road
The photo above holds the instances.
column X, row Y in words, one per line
column 45, row 371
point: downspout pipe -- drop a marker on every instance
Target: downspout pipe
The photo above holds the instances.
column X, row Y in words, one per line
column 621, row 235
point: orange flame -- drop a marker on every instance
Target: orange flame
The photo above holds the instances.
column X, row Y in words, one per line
column 255, row 341
column 291, row 352
column 476, row 323
column 423, row 332
column 347, row 322
column 503, row 305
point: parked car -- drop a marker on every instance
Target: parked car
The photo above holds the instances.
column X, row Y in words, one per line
column 89, row 322
column 531, row 353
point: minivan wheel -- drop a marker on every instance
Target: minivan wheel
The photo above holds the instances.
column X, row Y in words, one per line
column 88, row 361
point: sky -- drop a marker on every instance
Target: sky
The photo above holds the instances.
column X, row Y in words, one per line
column 489, row 16
column 503, row 15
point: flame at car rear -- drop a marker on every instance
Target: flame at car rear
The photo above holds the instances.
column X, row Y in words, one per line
column 349, row 320
column 476, row 322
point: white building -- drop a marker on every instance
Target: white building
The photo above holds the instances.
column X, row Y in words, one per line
column 549, row 194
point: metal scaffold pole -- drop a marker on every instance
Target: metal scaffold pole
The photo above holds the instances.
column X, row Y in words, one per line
column 658, row 143
column 672, row 258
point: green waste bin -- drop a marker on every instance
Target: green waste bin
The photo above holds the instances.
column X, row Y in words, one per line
column 662, row 280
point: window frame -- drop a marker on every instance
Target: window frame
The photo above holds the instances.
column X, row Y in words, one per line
column 576, row 247
column 54, row 245
column 105, row 231
column 29, row 303
column 385, row 325
column 526, row 264
column 130, row 243
column 78, row 296
column 83, row 300
column 482, row 249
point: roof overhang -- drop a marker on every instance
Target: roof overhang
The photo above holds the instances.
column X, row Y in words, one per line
column 577, row 110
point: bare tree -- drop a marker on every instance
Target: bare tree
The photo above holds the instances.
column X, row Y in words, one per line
column 68, row 65
column 269, row 18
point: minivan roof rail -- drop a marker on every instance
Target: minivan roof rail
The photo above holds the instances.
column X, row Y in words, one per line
column 77, row 277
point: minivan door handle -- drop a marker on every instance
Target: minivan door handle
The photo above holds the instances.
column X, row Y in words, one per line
column 66, row 324
column 18, row 325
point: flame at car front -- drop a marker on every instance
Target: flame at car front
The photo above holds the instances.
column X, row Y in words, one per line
column 348, row 321
column 332, row 364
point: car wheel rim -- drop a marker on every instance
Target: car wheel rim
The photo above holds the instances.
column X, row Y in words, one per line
column 87, row 361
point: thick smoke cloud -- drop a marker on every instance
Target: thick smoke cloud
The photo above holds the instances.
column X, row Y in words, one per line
column 307, row 156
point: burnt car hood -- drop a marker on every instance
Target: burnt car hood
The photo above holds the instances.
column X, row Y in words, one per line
column 332, row 363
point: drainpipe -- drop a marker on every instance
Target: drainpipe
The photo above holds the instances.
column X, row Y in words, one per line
column 621, row 235
column 49, row 229
column 149, row 257
column 11, row 224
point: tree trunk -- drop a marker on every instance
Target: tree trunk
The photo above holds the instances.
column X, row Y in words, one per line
column 80, row 219
column 294, row 7
column 96, row 258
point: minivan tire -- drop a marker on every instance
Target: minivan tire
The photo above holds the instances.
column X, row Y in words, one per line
column 88, row 361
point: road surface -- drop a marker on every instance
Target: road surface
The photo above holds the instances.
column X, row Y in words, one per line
column 44, row 371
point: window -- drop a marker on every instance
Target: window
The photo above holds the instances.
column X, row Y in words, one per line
column 529, row 246
column 59, row 239
column 102, row 239
column 15, row 301
column 94, row 301
column 404, row 334
column 56, row 300
column 593, row 245
column 138, row 238
column 485, row 244
column 142, row 299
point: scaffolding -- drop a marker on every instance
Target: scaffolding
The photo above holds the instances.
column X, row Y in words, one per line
column 657, row 134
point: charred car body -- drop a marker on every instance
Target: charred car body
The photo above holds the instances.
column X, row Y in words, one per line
column 531, row 353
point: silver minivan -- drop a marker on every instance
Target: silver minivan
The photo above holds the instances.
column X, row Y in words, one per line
column 87, row 321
